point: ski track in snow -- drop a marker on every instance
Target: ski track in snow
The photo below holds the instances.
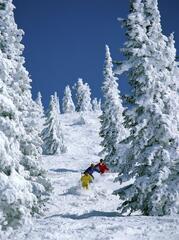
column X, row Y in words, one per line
column 73, row 213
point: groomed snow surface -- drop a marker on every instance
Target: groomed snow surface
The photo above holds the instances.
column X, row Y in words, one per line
column 73, row 213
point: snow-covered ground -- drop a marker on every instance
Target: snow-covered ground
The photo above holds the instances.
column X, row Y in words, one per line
column 76, row 214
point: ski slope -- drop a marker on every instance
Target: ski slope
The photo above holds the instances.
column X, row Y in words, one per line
column 76, row 214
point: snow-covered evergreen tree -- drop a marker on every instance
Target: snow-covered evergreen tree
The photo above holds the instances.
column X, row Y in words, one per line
column 40, row 105
column 96, row 105
column 39, row 100
column 112, row 128
column 99, row 104
column 67, row 104
column 153, row 157
column 40, row 116
column 16, row 197
column 135, row 26
column 78, row 87
column 21, row 146
column 52, row 134
column 57, row 102
column 83, row 96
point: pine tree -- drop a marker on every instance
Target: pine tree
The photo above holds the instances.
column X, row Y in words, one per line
column 17, row 86
column 40, row 116
column 96, row 105
column 112, row 128
column 16, row 198
column 99, row 104
column 153, row 157
column 68, row 105
column 83, row 96
column 40, row 105
column 57, row 103
column 134, row 49
column 52, row 134
column 31, row 142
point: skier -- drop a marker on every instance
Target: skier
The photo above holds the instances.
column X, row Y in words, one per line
column 91, row 169
column 102, row 166
column 85, row 180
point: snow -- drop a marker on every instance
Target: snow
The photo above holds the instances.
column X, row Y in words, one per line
column 73, row 213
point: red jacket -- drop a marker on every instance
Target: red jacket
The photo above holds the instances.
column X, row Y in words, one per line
column 102, row 167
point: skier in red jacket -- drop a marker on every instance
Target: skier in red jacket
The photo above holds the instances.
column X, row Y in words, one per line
column 102, row 166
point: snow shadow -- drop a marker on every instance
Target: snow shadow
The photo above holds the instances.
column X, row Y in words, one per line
column 87, row 215
column 63, row 170
column 71, row 191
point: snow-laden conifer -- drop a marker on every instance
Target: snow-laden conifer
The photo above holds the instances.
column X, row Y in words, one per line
column 57, row 103
column 67, row 104
column 96, row 105
column 40, row 115
column 112, row 129
column 31, row 142
column 39, row 100
column 40, row 105
column 99, row 104
column 153, row 157
column 17, row 83
column 79, row 89
column 16, row 197
column 53, row 140
column 83, row 96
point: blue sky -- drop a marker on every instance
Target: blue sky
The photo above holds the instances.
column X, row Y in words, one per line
column 65, row 40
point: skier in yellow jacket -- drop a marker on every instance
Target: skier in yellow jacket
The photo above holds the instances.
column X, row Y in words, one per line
column 85, row 180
